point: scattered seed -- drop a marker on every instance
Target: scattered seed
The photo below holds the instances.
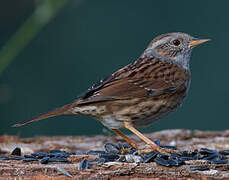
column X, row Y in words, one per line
column 186, row 158
column 207, row 151
column 161, row 161
column 29, row 159
column 16, row 158
column 77, row 153
column 111, row 148
column 58, row 155
column 175, row 156
column 199, row 168
column 109, row 157
column 210, row 157
column 132, row 151
column 198, row 157
column 174, row 162
column 4, row 158
column 122, row 158
column 189, row 153
column 164, row 156
column 149, row 157
column 56, row 151
column 94, row 152
column 39, row 155
column 124, row 146
column 83, row 165
column 101, row 161
column 121, row 152
column 64, row 172
column 170, row 147
column 58, row 159
column 157, row 142
column 29, row 156
column 224, row 152
column 133, row 158
column 44, row 160
column 218, row 161
column 16, row 152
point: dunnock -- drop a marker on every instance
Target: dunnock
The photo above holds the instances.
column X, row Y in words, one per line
column 140, row 93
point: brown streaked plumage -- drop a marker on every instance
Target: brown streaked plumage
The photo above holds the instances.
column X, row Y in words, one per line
column 141, row 92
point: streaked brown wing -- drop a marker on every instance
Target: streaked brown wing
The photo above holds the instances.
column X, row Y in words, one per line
column 145, row 77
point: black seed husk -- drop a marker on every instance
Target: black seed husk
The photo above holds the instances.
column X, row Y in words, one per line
column 95, row 152
column 64, row 172
column 58, row 159
column 4, row 158
column 16, row 158
column 44, row 160
column 122, row 152
column 161, row 161
column 224, row 152
column 207, row 151
column 29, row 159
column 149, row 157
column 109, row 157
column 16, row 152
column 111, row 148
column 83, row 165
column 199, row 168
column 39, row 155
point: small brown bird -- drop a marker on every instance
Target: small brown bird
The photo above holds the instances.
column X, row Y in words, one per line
column 140, row 93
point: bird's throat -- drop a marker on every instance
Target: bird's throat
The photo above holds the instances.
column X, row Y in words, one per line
column 181, row 59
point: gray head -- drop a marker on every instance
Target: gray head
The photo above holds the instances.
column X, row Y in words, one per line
column 175, row 47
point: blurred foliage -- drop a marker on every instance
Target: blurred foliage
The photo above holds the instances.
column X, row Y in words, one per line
column 45, row 10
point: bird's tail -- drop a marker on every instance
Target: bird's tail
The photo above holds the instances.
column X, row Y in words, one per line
column 59, row 111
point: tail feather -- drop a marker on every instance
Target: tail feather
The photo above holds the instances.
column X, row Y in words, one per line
column 56, row 112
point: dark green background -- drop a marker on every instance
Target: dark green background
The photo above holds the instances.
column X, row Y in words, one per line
column 89, row 39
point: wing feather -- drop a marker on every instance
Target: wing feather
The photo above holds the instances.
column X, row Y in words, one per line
column 143, row 78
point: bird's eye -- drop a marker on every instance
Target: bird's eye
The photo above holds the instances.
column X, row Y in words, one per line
column 176, row 42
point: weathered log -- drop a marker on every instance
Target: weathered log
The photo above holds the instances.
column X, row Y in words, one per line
column 183, row 139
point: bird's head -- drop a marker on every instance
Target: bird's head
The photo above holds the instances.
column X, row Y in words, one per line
column 175, row 47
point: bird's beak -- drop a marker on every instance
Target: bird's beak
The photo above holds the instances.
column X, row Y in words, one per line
column 196, row 42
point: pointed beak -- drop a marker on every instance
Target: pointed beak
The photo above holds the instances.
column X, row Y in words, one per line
column 196, row 42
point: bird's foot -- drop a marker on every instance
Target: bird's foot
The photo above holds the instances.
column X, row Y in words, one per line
column 125, row 150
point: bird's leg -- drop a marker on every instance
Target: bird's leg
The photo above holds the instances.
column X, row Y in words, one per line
column 154, row 146
column 128, row 140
